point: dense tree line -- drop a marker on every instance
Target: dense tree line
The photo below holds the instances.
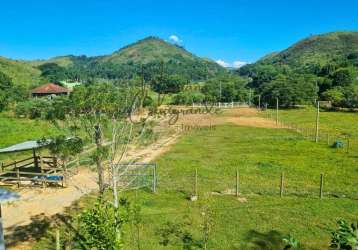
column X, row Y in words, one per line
column 86, row 69
column 335, row 81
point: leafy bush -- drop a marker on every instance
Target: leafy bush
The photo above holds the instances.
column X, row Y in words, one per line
column 291, row 242
column 42, row 108
column 65, row 148
column 174, row 234
column 100, row 227
column 346, row 237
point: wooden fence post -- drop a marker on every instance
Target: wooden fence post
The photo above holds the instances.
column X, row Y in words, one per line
column 348, row 145
column 317, row 124
column 18, row 176
column 42, row 173
column 321, row 187
column 281, row 186
column 237, row 182
column 58, row 245
column 276, row 111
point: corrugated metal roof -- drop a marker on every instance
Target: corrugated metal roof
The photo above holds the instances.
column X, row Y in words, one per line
column 27, row 145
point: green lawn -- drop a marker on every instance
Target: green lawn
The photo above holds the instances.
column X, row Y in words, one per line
column 331, row 122
column 260, row 155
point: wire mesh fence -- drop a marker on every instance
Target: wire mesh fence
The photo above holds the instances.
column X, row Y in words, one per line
column 268, row 184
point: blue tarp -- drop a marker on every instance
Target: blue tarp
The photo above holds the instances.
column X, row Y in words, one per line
column 49, row 178
column 7, row 196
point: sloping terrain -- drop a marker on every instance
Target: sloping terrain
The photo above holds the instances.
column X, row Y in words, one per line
column 20, row 72
column 318, row 49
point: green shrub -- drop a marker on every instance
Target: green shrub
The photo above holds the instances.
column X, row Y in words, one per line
column 345, row 237
column 100, row 227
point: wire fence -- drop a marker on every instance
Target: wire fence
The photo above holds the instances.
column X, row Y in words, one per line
column 312, row 133
column 241, row 183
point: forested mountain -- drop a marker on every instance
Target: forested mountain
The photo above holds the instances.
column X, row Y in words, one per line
column 143, row 57
column 323, row 66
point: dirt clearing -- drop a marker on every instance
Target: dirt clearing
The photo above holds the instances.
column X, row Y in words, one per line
column 239, row 116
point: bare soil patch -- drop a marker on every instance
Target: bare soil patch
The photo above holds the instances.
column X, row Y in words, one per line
column 238, row 116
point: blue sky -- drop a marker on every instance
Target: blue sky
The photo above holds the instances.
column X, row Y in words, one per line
column 240, row 30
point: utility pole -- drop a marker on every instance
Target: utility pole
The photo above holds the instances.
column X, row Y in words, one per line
column 277, row 111
column 250, row 98
column 317, row 123
column 259, row 101
column 220, row 92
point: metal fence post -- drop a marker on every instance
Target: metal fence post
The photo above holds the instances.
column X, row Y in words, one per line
column 281, row 186
column 155, row 178
column 321, row 187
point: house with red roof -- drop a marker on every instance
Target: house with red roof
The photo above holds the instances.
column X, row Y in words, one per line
column 49, row 90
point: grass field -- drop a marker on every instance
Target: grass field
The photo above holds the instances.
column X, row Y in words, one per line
column 16, row 130
column 260, row 155
column 260, row 219
column 335, row 123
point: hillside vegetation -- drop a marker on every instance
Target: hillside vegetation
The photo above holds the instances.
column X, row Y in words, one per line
column 317, row 50
column 319, row 67
column 143, row 57
column 20, row 72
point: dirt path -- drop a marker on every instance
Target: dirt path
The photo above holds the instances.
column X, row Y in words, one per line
column 47, row 202
column 240, row 116
column 51, row 201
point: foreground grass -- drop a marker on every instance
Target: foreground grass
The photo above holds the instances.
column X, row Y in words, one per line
column 260, row 218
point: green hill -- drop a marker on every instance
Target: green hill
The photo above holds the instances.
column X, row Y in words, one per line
column 148, row 50
column 20, row 72
column 319, row 67
column 317, row 50
column 127, row 63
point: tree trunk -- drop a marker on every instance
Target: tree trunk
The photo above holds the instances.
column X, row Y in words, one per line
column 98, row 140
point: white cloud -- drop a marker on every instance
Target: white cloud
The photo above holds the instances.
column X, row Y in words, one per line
column 238, row 64
column 223, row 63
column 235, row 64
column 175, row 39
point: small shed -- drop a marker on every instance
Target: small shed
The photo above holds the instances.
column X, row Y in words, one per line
column 49, row 90
column 32, row 170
